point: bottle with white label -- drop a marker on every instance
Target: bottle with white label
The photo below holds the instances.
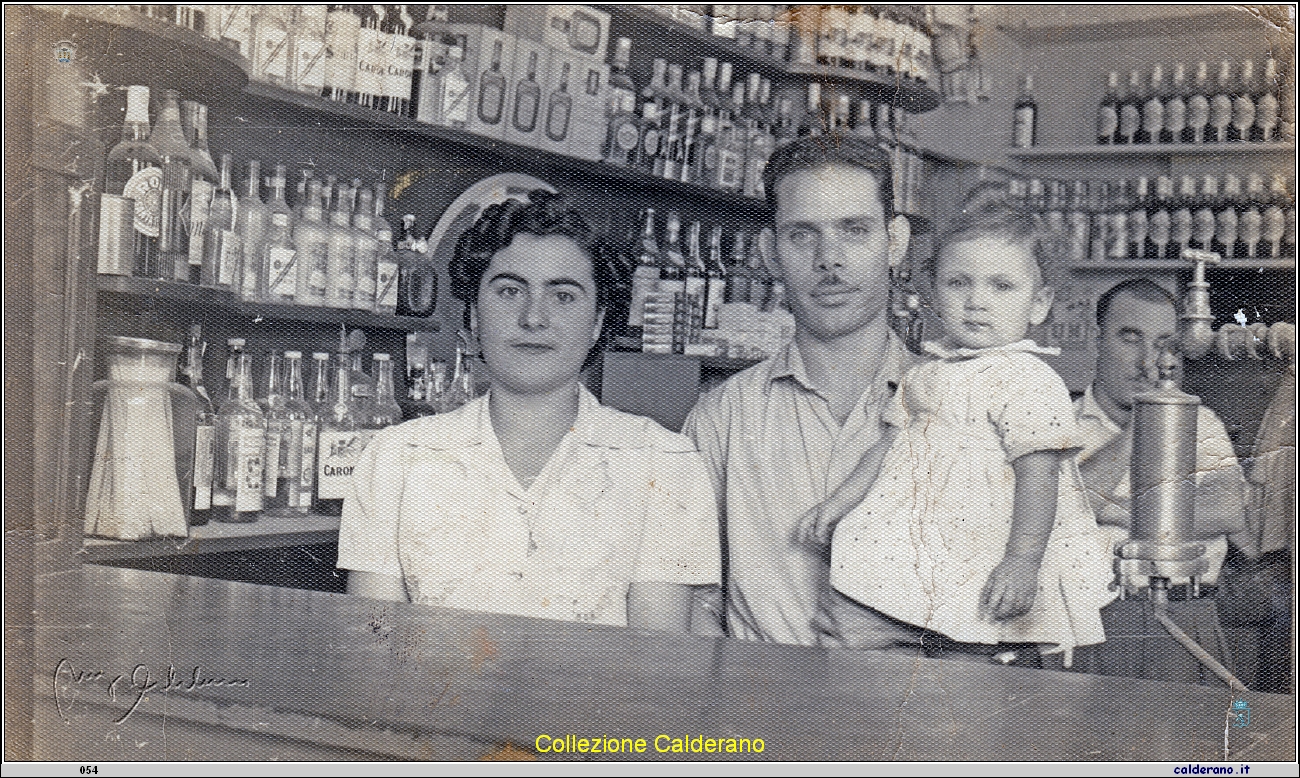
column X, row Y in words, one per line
column 296, row 425
column 134, row 171
column 1175, row 107
column 252, row 217
column 203, row 182
column 204, row 432
column 384, row 411
column 307, row 47
column 339, row 445
column 372, row 58
column 342, row 29
column 272, row 52
column 367, row 250
column 401, row 62
column 311, row 239
column 272, row 405
column 1221, row 104
column 1025, row 126
column 279, row 254
column 386, row 264
column 1108, row 111
column 1198, row 106
column 238, row 479
column 454, row 97
column 341, row 280
column 221, row 246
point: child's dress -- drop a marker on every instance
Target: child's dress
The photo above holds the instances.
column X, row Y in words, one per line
column 921, row 546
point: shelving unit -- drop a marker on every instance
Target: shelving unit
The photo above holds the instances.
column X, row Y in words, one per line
column 1130, row 152
column 217, row 538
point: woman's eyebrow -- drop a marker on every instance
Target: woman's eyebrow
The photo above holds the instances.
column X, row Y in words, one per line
column 508, row 277
column 566, row 282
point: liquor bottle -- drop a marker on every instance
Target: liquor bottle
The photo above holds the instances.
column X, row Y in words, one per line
column 454, row 96
column 271, row 43
column 385, row 411
column 1203, row 215
column 294, row 420
column 1108, row 112
column 738, row 277
column 1198, row 106
column 168, row 139
column 417, row 278
column 342, row 258
column 717, row 272
column 203, row 182
column 307, row 70
column 623, row 136
column 559, row 108
column 646, row 275
column 1101, row 221
column 221, row 245
column 693, row 106
column 885, row 130
column 762, row 144
column 340, row 443
column 311, row 239
column 763, row 290
column 133, row 170
column 674, row 123
column 1266, row 104
column 649, row 156
column 252, row 216
column 386, row 264
column 732, row 136
column 1221, row 104
column 528, row 98
column 695, row 285
column 490, row 105
column 1077, row 223
column 1025, row 126
column 1243, row 103
column 430, row 57
column 366, row 250
column 317, row 406
column 1153, row 108
column 279, row 254
column 1175, row 107
column 1250, row 222
column 372, row 58
column 1136, row 224
column 1225, row 220
column 1273, row 226
column 672, row 280
column 241, row 451
column 1180, row 218
column 862, row 125
column 718, row 122
column 1130, row 110
column 401, row 62
column 342, row 31
column 811, row 121
column 1121, row 202
column 277, row 429
column 704, row 151
column 205, row 430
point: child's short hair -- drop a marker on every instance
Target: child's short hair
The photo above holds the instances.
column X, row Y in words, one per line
column 988, row 212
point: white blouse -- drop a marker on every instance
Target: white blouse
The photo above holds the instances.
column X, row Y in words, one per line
column 434, row 503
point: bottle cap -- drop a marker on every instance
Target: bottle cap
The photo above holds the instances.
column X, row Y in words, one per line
column 293, row 355
column 381, row 357
column 235, row 342
column 623, row 53
column 321, row 355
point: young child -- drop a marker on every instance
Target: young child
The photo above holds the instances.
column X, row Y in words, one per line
column 976, row 527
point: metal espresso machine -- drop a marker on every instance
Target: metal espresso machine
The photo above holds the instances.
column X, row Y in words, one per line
column 1163, row 468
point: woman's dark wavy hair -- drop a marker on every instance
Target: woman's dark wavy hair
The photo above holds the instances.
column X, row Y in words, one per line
column 545, row 213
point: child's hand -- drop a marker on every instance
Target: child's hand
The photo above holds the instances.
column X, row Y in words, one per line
column 815, row 527
column 1010, row 589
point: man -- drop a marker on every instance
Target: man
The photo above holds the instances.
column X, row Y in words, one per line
column 780, row 437
column 1138, row 320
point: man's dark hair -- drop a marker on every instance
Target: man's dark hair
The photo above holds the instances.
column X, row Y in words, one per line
column 1143, row 289
column 817, row 151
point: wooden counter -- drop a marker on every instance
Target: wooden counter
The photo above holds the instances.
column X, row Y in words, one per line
column 309, row 675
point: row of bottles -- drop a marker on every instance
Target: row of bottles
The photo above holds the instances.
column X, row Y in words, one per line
column 277, row 450
column 892, row 41
column 431, row 391
column 1147, row 218
column 333, row 247
column 1241, row 103
column 679, row 292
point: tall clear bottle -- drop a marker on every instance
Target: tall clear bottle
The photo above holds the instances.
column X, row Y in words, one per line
column 1153, row 108
column 717, row 293
column 1243, row 103
column 1198, row 106
column 168, row 138
column 340, row 443
column 385, row 411
column 342, row 29
column 204, row 432
column 221, row 246
column 134, row 171
column 646, row 274
column 238, row 482
column 279, row 254
column 272, row 405
column 367, row 250
column 311, row 239
column 251, row 220
column 1175, row 107
column 387, row 264
column 295, row 422
column 695, row 286
column 342, row 257
column 624, row 128
column 1221, row 104
column 203, row 183
column 1108, row 112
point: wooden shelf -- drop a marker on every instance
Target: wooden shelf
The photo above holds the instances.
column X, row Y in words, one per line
column 222, row 299
column 317, row 110
column 908, row 95
column 1153, row 150
column 215, row 537
column 154, row 51
column 1168, row 265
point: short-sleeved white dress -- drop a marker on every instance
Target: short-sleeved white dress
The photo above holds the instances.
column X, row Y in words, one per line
column 921, row 546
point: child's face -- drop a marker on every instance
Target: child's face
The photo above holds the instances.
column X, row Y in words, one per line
column 989, row 292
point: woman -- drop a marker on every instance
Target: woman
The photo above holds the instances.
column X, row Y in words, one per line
column 534, row 500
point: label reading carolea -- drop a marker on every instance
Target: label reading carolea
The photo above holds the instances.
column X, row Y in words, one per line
column 338, row 453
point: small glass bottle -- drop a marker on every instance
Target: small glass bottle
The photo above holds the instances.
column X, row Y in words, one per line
column 339, row 444
column 384, row 411
column 205, row 431
column 237, row 488
column 279, row 255
column 252, row 217
column 311, row 239
column 297, row 424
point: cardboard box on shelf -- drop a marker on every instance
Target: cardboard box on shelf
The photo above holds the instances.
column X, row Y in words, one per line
column 490, row 64
column 525, row 106
column 579, row 29
column 590, row 96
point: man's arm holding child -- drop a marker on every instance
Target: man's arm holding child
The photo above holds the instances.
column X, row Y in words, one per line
column 816, row 526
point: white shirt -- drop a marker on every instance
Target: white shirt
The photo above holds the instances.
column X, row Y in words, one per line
column 1213, row 452
column 621, row 500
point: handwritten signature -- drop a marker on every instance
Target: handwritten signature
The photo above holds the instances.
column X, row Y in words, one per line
column 136, row 684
